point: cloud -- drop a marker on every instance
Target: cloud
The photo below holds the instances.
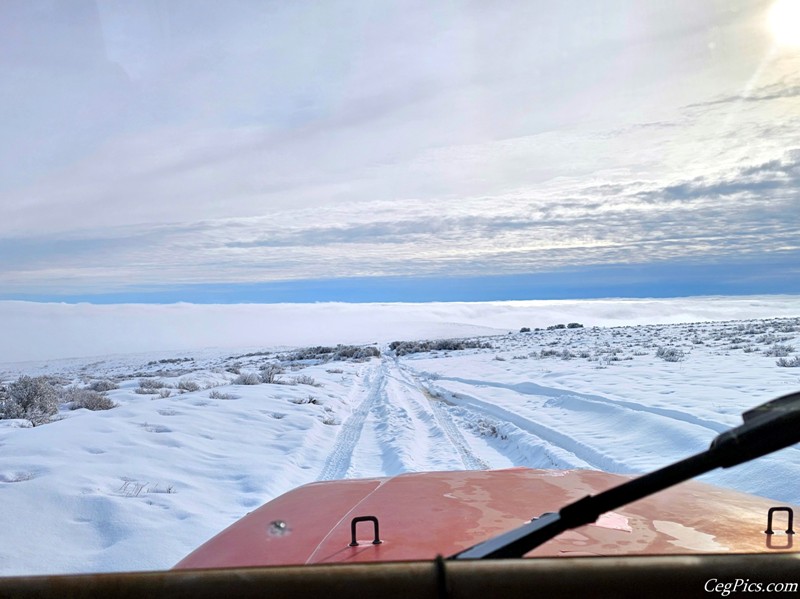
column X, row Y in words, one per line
column 50, row 331
column 773, row 91
column 288, row 141
column 749, row 210
column 444, row 229
column 762, row 181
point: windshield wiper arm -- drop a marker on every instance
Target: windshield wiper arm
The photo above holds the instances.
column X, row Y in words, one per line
column 766, row 428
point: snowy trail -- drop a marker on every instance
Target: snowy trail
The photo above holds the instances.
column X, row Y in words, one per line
column 408, row 421
column 446, row 424
column 468, row 458
column 559, row 441
column 397, row 428
column 338, row 462
column 529, row 388
column 563, row 428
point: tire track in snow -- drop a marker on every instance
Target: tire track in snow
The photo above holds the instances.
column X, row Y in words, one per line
column 403, row 429
column 396, row 428
column 557, row 439
column 518, row 446
column 445, row 423
column 513, row 445
column 573, row 401
column 529, row 388
column 469, row 459
column 338, row 462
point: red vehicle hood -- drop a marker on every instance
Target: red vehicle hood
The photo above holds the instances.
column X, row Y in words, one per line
column 424, row 515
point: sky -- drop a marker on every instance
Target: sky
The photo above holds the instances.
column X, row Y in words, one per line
column 398, row 151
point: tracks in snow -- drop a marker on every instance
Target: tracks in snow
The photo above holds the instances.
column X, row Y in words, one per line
column 529, row 388
column 405, row 421
column 563, row 450
column 338, row 462
column 577, row 429
column 397, row 427
column 446, row 423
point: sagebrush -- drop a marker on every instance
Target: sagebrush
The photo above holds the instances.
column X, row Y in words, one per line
column 31, row 398
column 88, row 399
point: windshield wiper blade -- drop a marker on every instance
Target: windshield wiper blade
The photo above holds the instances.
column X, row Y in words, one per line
column 766, row 428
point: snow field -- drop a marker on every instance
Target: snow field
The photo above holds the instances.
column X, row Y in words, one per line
column 139, row 486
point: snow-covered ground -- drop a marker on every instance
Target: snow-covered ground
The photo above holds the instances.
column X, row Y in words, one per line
column 140, row 485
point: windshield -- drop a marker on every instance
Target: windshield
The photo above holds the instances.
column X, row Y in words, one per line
column 247, row 246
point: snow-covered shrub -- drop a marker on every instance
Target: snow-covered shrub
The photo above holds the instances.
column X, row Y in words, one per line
column 304, row 379
column 269, row 373
column 304, row 400
column 103, row 385
column 792, row 363
column 322, row 353
column 670, row 354
column 188, row 385
column 779, row 351
column 402, row 348
column 150, row 386
column 88, row 399
column 218, row 395
column 31, row 398
column 356, row 353
column 234, row 368
column 488, row 428
column 247, row 378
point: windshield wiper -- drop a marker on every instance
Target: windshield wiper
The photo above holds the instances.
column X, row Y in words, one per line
column 766, row 428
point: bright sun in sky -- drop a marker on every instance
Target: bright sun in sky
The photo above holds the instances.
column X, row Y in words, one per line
column 784, row 22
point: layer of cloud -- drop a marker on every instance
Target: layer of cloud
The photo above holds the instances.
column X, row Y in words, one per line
column 748, row 211
column 298, row 141
column 53, row 331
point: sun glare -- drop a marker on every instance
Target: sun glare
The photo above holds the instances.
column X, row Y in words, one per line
column 784, row 22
